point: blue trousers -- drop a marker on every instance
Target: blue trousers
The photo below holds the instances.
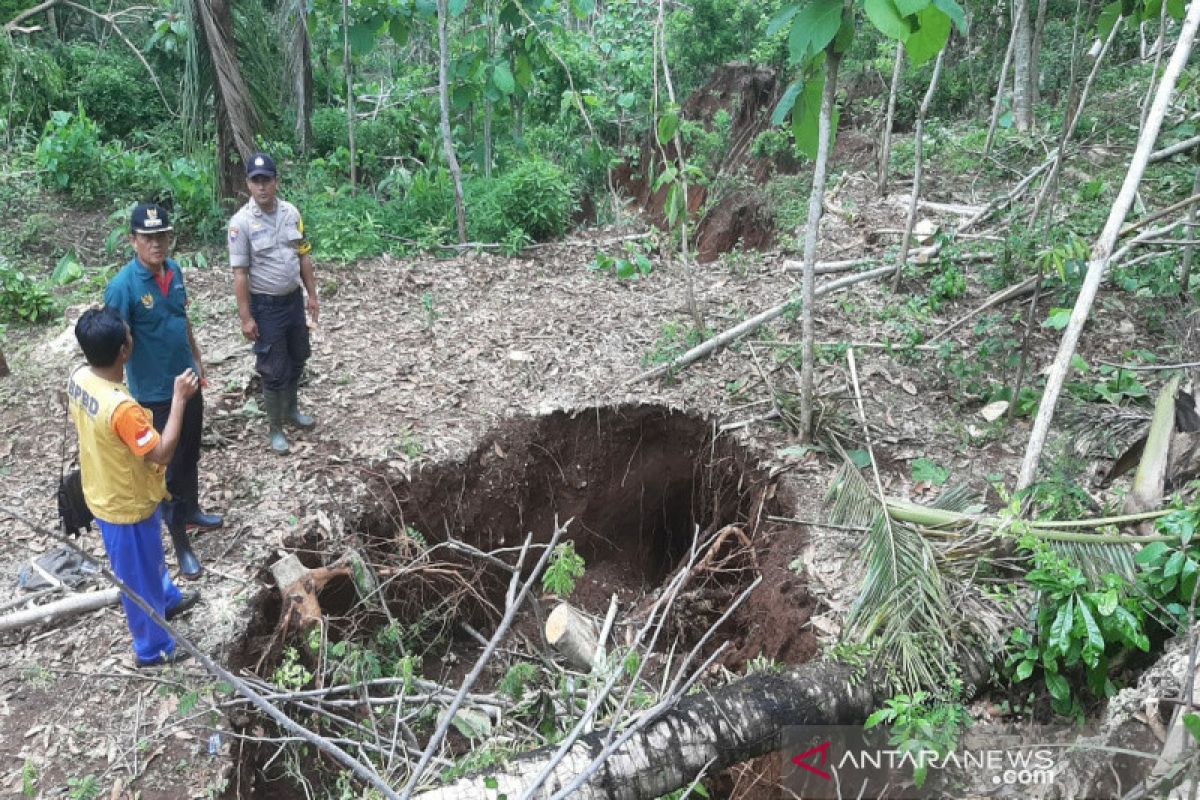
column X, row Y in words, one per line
column 283, row 344
column 136, row 555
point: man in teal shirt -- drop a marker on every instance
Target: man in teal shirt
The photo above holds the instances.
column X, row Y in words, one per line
column 149, row 294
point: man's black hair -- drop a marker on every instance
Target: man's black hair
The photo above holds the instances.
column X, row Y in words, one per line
column 101, row 333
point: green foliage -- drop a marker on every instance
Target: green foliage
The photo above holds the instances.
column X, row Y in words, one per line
column 1076, row 629
column 291, row 673
column 921, row 724
column 85, row 788
column 190, row 183
column 72, row 155
column 926, row 471
column 1168, row 570
column 634, row 263
column 517, row 679
column 1058, row 496
column 565, row 568
column 536, row 197
column 22, row 297
column 34, row 83
column 673, row 340
column 29, row 779
column 329, row 130
column 113, row 86
column 949, row 283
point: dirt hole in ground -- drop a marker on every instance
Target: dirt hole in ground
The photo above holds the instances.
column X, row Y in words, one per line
column 638, row 485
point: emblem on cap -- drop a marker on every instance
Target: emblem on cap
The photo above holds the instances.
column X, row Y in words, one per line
column 258, row 162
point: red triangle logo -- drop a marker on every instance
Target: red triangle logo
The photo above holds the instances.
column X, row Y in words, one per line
column 802, row 760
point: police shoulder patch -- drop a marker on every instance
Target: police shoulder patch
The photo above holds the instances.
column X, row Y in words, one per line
column 234, row 230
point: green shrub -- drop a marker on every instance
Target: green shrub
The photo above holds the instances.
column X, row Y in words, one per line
column 35, row 82
column 329, row 131
column 537, row 197
column 22, row 297
column 72, row 154
column 114, row 87
column 190, row 184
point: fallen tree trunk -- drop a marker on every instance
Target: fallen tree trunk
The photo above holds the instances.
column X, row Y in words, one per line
column 754, row 323
column 60, row 609
column 708, row 731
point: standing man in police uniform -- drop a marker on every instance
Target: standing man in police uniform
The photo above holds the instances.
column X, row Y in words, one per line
column 271, row 260
column 149, row 294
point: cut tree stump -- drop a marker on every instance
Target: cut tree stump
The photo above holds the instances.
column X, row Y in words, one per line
column 60, row 609
column 300, row 587
column 574, row 635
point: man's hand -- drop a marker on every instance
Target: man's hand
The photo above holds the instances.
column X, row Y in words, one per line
column 314, row 308
column 187, row 383
column 250, row 329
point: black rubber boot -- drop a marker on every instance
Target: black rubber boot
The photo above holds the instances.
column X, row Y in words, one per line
column 198, row 519
column 275, row 403
column 292, row 413
column 189, row 565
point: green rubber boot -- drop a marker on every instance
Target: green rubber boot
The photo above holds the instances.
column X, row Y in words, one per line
column 293, row 414
column 274, row 402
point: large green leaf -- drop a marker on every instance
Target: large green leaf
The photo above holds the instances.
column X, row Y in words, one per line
column 930, row 36
column 806, row 117
column 362, row 38
column 503, row 78
column 1060, row 630
column 68, row 269
column 583, row 8
column 457, row 7
column 784, row 106
column 909, row 7
column 814, row 28
column 781, row 19
column 668, row 124
column 1108, row 17
column 1175, row 8
column 954, row 11
column 890, row 22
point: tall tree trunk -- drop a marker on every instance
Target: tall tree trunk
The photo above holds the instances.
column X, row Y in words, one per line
column 911, row 219
column 3, row 365
column 460, row 212
column 1102, row 250
column 1189, row 250
column 816, row 202
column 236, row 118
column 1001, row 85
column 707, row 731
column 348, row 64
column 1050, row 184
column 301, row 76
column 1022, row 69
column 1035, row 55
column 885, row 148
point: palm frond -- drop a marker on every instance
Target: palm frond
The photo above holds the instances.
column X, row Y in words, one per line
column 902, row 605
